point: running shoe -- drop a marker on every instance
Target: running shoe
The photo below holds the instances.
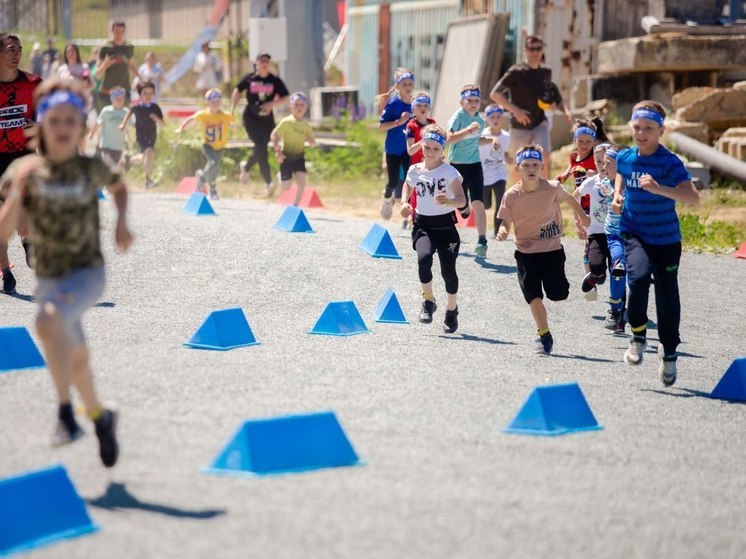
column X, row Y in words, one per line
column 635, row 351
column 428, row 308
column 106, row 426
column 450, row 324
column 666, row 367
column 243, row 176
column 28, row 248
column 199, row 174
column 9, row 281
column 214, row 192
column 544, row 344
column 62, row 434
column 481, row 249
column 387, row 207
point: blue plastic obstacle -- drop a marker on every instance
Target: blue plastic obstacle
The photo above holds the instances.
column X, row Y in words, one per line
column 39, row 508
column 340, row 318
column 293, row 220
column 554, row 410
column 223, row 330
column 378, row 243
column 388, row 309
column 18, row 351
column 101, row 195
column 198, row 204
column 280, row 445
column 732, row 385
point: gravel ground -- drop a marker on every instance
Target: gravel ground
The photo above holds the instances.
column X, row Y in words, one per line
column 425, row 410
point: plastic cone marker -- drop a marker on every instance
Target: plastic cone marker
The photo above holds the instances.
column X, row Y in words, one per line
column 18, row 351
column 340, row 318
column 223, row 330
column 389, row 310
column 186, row 186
column 732, row 385
column 288, row 444
column 38, row 508
column 293, row 220
column 309, row 198
column 554, row 410
column 198, row 204
column 378, row 243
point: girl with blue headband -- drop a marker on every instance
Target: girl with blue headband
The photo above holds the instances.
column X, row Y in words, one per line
column 493, row 151
column 650, row 181
column 56, row 194
column 437, row 186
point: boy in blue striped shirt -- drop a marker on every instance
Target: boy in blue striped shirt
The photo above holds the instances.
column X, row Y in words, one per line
column 650, row 180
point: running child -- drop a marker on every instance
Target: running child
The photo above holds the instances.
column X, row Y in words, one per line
column 493, row 151
column 438, row 189
column 148, row 116
column 215, row 122
column 293, row 132
column 111, row 140
column 532, row 208
column 393, row 119
column 650, row 180
column 464, row 131
column 413, row 132
column 56, row 194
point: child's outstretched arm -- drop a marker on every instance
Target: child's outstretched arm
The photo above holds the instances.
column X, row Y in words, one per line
column 122, row 235
column 577, row 209
column 413, row 147
column 158, row 118
column 126, row 119
column 388, row 125
column 275, row 138
column 459, row 198
column 455, row 137
column 406, row 207
column 11, row 212
column 186, row 122
column 94, row 130
column 684, row 192
column 618, row 196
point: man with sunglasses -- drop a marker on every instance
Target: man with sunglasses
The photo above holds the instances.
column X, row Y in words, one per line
column 526, row 83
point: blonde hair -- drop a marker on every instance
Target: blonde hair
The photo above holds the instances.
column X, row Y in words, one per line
column 211, row 91
column 435, row 129
column 48, row 87
column 383, row 98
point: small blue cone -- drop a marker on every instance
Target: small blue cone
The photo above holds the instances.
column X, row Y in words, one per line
column 18, row 351
column 198, row 204
column 281, row 445
column 388, row 309
column 223, row 330
column 101, row 195
column 340, row 318
column 554, row 410
column 39, row 508
column 732, row 385
column 378, row 243
column 293, row 220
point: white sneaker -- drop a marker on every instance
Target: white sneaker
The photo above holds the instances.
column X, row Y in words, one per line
column 635, row 351
column 243, row 176
column 591, row 295
column 666, row 367
column 387, row 207
column 199, row 174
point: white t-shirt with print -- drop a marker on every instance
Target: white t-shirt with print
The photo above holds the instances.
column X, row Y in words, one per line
column 599, row 203
column 428, row 183
column 493, row 160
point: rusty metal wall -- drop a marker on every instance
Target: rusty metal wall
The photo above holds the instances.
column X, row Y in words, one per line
column 522, row 23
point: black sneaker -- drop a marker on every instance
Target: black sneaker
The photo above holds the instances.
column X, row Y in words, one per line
column 9, row 282
column 589, row 282
column 28, row 248
column 465, row 212
column 107, row 439
column 450, row 324
column 544, row 344
column 428, row 308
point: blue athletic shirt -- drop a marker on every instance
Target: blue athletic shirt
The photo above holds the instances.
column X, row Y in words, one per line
column 650, row 217
column 396, row 141
column 467, row 150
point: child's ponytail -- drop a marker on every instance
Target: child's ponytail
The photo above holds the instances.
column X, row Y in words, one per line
column 383, row 98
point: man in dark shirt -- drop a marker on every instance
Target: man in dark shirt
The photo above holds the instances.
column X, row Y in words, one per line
column 116, row 65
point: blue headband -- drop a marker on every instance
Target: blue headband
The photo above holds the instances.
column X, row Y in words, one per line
column 299, row 97
column 655, row 116
column 117, row 92
column 405, row 76
column 584, row 131
column 611, row 153
column 214, row 95
column 492, row 110
column 422, row 100
column 60, row 98
column 528, row 154
column 470, row 93
column 436, row 137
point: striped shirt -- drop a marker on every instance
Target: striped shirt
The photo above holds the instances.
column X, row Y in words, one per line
column 650, row 217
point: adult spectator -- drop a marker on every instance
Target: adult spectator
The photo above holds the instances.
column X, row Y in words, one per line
column 207, row 66
column 264, row 92
column 73, row 68
column 116, row 65
column 52, row 57
column 16, row 112
column 36, row 59
column 151, row 71
column 526, row 83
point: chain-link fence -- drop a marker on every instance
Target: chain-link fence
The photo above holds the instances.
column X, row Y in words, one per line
column 79, row 19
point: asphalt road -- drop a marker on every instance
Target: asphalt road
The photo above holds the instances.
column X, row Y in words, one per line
column 666, row 477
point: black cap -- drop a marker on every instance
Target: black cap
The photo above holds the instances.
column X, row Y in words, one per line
column 262, row 53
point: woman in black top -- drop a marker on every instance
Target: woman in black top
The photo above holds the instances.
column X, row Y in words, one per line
column 264, row 92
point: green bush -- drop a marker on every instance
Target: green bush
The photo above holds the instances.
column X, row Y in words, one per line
column 697, row 234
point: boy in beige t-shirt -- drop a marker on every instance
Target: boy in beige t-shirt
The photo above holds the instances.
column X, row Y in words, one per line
column 532, row 208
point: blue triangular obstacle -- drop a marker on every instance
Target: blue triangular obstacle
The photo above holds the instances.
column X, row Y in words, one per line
column 378, row 243
column 223, row 330
column 281, row 445
column 101, row 195
column 39, row 508
column 732, row 385
column 198, row 204
column 388, row 309
column 340, row 318
column 293, row 220
column 554, row 410
column 18, row 351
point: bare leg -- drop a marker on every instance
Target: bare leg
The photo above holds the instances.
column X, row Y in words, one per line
column 539, row 312
column 300, row 185
column 49, row 326
column 82, row 378
column 451, row 301
column 427, row 291
column 147, row 161
column 480, row 217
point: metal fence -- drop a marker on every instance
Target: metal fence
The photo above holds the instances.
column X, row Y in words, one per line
column 85, row 19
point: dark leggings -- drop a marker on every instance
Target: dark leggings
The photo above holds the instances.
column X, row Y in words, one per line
column 259, row 129
column 499, row 189
column 661, row 261
column 599, row 257
column 394, row 166
column 431, row 234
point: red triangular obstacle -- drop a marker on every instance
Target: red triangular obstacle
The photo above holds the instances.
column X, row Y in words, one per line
column 310, row 198
column 468, row 222
column 186, row 186
column 741, row 252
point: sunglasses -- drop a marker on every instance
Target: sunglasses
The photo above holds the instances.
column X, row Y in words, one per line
column 535, row 49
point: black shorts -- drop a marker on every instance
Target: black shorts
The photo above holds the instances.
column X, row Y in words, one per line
column 109, row 156
column 473, row 180
column 146, row 141
column 292, row 165
column 599, row 257
column 498, row 188
column 542, row 269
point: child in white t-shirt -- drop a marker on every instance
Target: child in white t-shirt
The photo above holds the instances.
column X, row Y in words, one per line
column 493, row 151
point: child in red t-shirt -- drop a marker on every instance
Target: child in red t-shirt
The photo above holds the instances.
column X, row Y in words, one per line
column 420, row 119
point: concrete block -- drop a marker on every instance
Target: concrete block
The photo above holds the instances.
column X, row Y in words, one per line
column 689, row 96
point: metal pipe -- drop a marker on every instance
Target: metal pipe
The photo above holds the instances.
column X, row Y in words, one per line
column 725, row 165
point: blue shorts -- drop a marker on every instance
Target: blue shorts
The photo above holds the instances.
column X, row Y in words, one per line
column 71, row 296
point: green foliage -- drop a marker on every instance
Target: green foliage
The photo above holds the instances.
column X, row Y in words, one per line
column 697, row 234
column 352, row 162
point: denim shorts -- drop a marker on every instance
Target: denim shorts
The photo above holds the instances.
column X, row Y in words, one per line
column 72, row 295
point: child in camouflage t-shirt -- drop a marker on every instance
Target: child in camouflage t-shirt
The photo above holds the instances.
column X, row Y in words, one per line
column 55, row 196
